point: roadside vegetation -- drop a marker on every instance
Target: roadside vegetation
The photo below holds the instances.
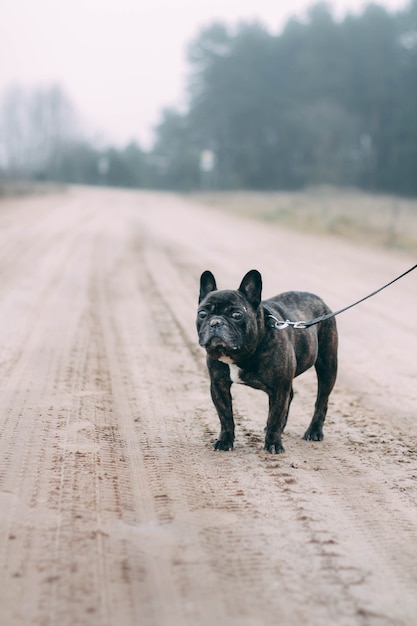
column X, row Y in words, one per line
column 381, row 220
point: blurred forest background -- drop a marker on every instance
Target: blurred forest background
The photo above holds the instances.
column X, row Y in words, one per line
column 324, row 102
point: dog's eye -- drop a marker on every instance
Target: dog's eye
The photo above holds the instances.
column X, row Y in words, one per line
column 202, row 314
column 237, row 315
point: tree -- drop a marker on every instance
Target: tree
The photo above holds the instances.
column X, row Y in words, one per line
column 35, row 125
column 324, row 101
column 230, row 108
column 175, row 157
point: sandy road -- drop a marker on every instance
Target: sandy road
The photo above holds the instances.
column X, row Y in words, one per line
column 113, row 507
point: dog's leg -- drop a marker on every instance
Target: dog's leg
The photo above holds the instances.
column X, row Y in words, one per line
column 326, row 368
column 288, row 410
column 279, row 406
column 222, row 400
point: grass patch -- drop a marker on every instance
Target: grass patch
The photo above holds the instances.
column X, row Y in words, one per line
column 13, row 189
column 381, row 220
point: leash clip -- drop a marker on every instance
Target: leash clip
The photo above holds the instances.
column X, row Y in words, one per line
column 279, row 325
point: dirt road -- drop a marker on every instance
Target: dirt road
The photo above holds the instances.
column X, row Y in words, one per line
column 114, row 509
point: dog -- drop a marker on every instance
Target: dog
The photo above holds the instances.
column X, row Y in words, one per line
column 244, row 346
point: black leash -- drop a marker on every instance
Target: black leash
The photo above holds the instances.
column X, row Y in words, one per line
column 279, row 324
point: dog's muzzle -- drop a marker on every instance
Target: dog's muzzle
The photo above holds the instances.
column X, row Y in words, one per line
column 216, row 337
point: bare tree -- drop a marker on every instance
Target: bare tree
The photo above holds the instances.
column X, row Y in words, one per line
column 35, row 126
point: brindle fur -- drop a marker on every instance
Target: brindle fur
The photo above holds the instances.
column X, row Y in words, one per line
column 234, row 326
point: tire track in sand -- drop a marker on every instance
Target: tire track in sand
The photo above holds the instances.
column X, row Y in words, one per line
column 383, row 537
column 115, row 509
column 263, row 564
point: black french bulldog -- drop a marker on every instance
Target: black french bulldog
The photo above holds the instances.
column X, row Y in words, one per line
column 243, row 346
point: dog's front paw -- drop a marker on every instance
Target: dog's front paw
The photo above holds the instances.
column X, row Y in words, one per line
column 274, row 447
column 224, row 443
column 313, row 433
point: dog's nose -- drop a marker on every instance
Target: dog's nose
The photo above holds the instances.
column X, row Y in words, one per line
column 216, row 321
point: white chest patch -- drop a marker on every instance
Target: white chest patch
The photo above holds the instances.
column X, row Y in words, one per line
column 234, row 370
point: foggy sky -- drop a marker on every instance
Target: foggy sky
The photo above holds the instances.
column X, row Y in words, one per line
column 122, row 61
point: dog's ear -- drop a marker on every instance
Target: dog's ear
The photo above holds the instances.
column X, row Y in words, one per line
column 251, row 287
column 207, row 284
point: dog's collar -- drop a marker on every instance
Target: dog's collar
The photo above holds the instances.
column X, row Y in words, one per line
column 272, row 320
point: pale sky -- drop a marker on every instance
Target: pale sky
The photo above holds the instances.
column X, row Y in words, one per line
column 122, row 61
